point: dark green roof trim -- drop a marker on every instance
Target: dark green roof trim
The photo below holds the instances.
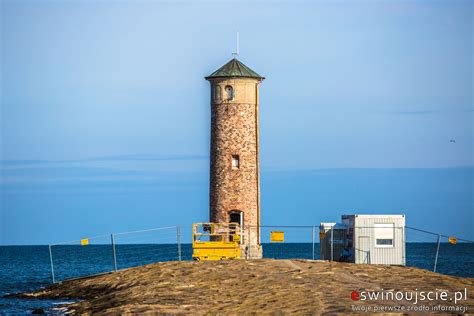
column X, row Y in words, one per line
column 234, row 69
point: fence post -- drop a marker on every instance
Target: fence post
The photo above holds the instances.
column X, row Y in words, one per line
column 332, row 243
column 437, row 252
column 112, row 239
column 323, row 246
column 178, row 239
column 404, row 260
column 52, row 266
column 312, row 235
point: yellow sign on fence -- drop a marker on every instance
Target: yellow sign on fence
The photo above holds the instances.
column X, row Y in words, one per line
column 277, row 236
column 453, row 240
column 84, row 242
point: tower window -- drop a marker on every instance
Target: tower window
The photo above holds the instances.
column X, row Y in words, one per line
column 217, row 92
column 235, row 162
column 229, row 92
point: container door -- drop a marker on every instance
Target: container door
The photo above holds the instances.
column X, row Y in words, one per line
column 362, row 249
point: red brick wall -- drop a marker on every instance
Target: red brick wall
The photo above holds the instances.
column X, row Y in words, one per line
column 234, row 132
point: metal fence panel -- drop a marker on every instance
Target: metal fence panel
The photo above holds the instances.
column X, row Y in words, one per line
column 82, row 257
column 106, row 253
column 435, row 252
column 142, row 247
column 411, row 246
column 299, row 242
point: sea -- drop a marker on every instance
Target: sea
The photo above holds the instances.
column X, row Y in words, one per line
column 28, row 268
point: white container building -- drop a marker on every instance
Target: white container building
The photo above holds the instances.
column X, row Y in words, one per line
column 372, row 239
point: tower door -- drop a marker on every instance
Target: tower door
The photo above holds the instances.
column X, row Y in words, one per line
column 236, row 216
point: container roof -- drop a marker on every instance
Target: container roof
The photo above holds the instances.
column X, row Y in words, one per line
column 234, row 69
column 374, row 215
column 332, row 225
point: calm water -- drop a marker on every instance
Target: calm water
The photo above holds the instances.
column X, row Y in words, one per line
column 27, row 268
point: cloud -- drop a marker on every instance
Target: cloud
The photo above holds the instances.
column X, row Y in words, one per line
column 23, row 162
column 428, row 112
column 417, row 112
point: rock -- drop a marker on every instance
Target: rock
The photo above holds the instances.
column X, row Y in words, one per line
column 37, row 311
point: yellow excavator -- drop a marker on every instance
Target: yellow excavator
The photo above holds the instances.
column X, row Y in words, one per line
column 216, row 241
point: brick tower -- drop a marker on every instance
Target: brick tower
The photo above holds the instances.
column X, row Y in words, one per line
column 235, row 170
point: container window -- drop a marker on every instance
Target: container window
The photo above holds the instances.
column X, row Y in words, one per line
column 384, row 242
column 384, row 234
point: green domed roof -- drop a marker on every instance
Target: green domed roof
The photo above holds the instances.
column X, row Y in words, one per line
column 234, row 69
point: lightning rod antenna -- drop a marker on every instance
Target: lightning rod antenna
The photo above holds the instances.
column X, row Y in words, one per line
column 236, row 53
column 238, row 43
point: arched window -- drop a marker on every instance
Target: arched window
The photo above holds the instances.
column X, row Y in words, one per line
column 217, row 92
column 229, row 92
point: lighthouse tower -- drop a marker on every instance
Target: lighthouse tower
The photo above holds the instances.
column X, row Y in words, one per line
column 235, row 170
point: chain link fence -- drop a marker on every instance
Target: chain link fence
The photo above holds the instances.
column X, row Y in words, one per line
column 415, row 248
column 439, row 253
column 78, row 258
column 147, row 246
column 373, row 245
column 300, row 242
column 106, row 253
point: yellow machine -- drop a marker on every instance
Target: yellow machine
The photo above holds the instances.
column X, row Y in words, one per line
column 216, row 241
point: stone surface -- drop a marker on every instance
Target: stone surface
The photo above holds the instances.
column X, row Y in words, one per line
column 250, row 286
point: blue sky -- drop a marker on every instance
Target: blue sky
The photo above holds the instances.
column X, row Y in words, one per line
column 105, row 112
